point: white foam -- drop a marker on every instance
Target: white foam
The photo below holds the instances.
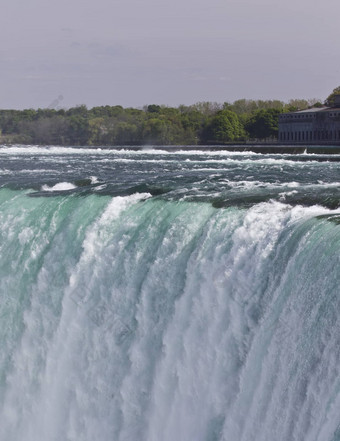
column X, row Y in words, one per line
column 61, row 186
column 59, row 150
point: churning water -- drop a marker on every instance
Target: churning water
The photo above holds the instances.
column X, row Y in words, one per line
column 156, row 296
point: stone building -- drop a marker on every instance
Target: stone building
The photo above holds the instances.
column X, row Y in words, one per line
column 312, row 126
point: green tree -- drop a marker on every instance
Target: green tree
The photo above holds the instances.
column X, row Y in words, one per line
column 223, row 127
column 264, row 124
column 207, row 108
column 153, row 108
column 127, row 134
column 330, row 99
column 96, row 130
column 53, row 130
column 78, row 129
column 155, row 132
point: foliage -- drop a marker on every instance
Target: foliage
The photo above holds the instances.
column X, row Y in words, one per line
column 223, row 127
column 200, row 123
column 264, row 124
column 330, row 99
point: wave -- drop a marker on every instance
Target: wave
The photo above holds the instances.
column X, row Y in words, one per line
column 23, row 150
column 61, row 186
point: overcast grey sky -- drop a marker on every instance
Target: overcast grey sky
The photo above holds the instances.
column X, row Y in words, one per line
column 133, row 52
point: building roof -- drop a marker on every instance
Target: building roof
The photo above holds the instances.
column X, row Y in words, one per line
column 314, row 109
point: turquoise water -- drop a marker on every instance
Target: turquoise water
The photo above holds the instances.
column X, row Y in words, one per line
column 155, row 296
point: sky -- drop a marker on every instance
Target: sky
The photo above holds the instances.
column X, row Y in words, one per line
column 133, row 53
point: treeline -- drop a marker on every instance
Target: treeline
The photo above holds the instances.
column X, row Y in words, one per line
column 201, row 123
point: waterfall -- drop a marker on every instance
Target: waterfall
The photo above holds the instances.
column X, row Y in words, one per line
column 137, row 318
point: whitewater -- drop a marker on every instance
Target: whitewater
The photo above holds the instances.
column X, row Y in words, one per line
column 168, row 295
